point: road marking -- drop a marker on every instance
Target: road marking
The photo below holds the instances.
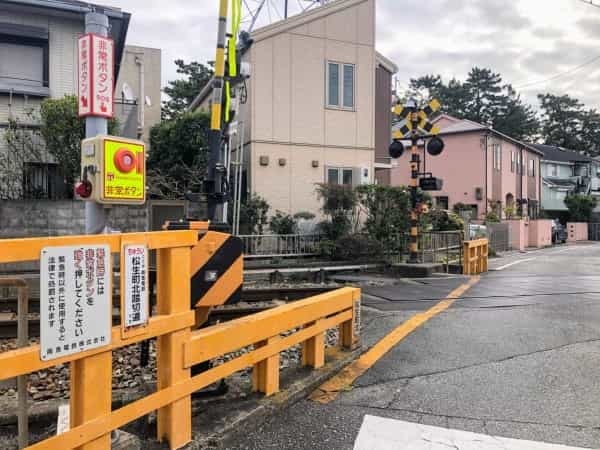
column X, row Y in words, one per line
column 378, row 433
column 329, row 390
column 514, row 263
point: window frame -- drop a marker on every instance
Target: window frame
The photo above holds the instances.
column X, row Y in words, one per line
column 531, row 167
column 340, row 85
column 513, row 160
column 497, row 156
column 8, row 36
column 341, row 171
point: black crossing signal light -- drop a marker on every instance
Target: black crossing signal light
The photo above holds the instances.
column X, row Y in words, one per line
column 435, row 146
column 396, row 149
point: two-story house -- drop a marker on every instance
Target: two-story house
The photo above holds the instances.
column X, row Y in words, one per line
column 566, row 172
column 481, row 168
column 38, row 60
column 310, row 117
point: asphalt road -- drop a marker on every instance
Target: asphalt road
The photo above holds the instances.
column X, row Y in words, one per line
column 518, row 355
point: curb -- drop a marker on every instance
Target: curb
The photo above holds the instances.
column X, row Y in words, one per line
column 293, row 393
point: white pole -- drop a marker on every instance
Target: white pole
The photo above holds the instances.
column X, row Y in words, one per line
column 95, row 213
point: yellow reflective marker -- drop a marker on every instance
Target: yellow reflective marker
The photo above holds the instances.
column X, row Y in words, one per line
column 329, row 390
column 435, row 105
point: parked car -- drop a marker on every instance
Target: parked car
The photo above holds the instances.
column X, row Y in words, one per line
column 559, row 232
column 477, row 231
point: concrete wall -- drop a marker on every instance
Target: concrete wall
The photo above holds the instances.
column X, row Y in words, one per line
column 577, row 231
column 289, row 117
column 27, row 218
column 518, row 234
column 540, row 233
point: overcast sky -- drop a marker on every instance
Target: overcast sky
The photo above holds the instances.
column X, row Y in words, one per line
column 527, row 41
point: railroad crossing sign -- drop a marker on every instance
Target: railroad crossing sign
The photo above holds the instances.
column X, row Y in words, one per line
column 410, row 116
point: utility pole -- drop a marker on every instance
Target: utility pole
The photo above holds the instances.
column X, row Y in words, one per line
column 95, row 213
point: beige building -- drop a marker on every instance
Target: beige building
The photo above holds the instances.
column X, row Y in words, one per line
column 311, row 108
column 140, row 72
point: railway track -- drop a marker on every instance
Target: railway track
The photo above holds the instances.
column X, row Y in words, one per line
column 253, row 301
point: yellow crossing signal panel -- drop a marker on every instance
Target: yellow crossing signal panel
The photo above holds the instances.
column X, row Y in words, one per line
column 113, row 170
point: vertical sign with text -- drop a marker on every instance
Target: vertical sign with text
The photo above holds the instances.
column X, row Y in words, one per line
column 96, row 76
column 135, row 286
column 75, row 300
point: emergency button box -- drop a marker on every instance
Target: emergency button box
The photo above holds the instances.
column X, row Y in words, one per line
column 114, row 169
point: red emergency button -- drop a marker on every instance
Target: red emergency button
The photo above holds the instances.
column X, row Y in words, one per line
column 125, row 160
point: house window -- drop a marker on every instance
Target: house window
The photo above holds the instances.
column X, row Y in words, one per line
column 552, row 170
column 513, row 161
column 441, row 202
column 497, row 152
column 531, row 168
column 340, row 175
column 522, row 163
column 42, row 181
column 340, row 85
column 25, row 51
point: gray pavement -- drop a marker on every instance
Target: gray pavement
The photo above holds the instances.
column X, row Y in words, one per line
column 517, row 356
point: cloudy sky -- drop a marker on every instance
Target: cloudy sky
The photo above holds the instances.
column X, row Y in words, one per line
column 537, row 45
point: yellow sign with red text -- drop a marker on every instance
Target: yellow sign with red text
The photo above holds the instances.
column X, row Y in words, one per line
column 113, row 170
column 124, row 174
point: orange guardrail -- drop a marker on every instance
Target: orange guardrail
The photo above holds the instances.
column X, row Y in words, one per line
column 475, row 259
column 178, row 347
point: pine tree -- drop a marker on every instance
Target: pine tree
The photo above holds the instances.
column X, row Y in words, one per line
column 182, row 92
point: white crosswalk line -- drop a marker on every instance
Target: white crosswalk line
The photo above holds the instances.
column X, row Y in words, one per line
column 378, row 433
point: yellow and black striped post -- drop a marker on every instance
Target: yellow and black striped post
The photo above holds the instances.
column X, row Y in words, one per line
column 415, row 163
column 214, row 179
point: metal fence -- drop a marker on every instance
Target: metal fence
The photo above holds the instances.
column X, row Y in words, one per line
column 440, row 246
column 499, row 237
column 280, row 245
column 594, row 231
column 434, row 247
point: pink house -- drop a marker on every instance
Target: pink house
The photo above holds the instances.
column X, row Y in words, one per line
column 482, row 168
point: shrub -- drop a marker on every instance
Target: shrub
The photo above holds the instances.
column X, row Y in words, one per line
column 340, row 204
column 492, row 217
column 253, row 215
column 351, row 247
column 282, row 223
column 442, row 220
column 581, row 207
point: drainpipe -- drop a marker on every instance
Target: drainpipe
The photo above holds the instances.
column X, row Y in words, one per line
column 141, row 97
column 486, row 173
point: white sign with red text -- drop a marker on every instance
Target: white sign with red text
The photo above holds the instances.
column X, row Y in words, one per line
column 136, row 285
column 75, row 300
column 96, row 76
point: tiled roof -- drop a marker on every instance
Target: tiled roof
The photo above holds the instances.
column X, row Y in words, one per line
column 559, row 154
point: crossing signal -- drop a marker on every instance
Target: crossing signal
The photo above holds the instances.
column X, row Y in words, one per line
column 435, row 146
column 396, row 149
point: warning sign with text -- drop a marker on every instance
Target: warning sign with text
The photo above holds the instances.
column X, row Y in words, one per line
column 135, row 286
column 95, row 56
column 75, row 300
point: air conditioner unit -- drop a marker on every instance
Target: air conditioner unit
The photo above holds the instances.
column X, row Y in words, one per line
column 479, row 193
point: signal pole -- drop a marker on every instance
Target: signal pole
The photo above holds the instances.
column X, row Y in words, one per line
column 415, row 166
column 414, row 123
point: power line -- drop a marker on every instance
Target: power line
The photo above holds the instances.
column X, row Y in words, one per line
column 562, row 74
